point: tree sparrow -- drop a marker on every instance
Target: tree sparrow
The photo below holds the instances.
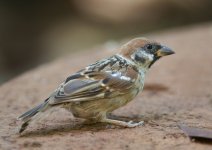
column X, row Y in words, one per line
column 105, row 85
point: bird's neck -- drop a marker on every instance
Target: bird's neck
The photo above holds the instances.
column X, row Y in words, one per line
column 143, row 71
column 127, row 60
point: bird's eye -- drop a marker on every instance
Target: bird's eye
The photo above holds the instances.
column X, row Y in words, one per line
column 149, row 47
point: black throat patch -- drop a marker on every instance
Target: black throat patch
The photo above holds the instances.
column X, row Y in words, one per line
column 154, row 60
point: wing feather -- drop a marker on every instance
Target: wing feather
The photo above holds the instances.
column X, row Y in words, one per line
column 89, row 85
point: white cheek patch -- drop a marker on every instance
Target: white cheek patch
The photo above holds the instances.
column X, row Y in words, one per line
column 147, row 56
column 143, row 55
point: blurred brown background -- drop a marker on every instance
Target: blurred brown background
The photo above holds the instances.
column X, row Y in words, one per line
column 34, row 32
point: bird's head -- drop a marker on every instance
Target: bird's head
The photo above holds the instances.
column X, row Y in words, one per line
column 144, row 52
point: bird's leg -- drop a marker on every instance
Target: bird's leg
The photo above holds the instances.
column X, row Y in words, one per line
column 129, row 124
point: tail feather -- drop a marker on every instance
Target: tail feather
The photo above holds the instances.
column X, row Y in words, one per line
column 26, row 117
column 30, row 113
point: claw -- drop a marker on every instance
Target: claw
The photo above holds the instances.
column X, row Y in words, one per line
column 131, row 124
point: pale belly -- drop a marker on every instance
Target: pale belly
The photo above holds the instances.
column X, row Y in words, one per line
column 96, row 109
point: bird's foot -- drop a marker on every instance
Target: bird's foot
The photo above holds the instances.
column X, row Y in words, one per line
column 132, row 124
column 129, row 124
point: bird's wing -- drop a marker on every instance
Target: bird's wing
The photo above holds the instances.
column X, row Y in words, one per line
column 88, row 85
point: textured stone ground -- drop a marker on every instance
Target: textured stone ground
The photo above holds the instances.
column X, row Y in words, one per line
column 178, row 90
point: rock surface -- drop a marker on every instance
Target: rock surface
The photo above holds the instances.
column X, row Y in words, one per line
column 178, row 90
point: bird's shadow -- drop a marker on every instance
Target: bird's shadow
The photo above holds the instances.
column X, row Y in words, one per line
column 79, row 127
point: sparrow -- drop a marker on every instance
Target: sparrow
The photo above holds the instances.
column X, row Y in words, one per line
column 104, row 86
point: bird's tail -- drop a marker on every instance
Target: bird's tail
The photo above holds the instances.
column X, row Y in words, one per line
column 26, row 117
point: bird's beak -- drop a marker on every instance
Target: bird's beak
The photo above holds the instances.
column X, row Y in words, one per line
column 164, row 51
